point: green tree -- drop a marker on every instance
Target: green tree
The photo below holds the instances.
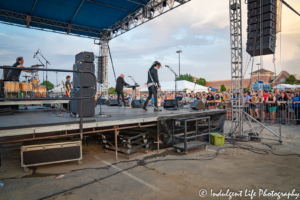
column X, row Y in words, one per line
column 111, row 90
column 291, row 80
column 248, row 88
column 201, row 81
column 186, row 77
column 223, row 88
column 48, row 84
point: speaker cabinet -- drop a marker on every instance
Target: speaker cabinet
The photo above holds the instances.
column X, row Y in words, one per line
column 84, row 79
column 85, row 57
column 88, row 105
column 170, row 103
column 136, row 104
column 197, row 105
column 112, row 102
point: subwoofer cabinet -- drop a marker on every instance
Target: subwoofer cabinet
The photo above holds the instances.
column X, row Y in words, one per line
column 45, row 154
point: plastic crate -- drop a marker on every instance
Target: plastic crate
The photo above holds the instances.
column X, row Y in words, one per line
column 217, row 138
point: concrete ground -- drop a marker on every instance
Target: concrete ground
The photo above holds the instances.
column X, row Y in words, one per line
column 163, row 175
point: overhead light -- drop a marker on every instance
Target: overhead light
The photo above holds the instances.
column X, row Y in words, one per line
column 152, row 10
column 136, row 19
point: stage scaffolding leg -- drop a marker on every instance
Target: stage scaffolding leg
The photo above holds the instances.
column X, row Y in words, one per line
column 235, row 17
column 116, row 142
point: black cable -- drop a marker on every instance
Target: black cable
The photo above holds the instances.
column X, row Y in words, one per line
column 112, row 62
column 234, row 142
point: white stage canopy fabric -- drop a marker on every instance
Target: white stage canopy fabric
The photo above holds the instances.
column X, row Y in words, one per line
column 285, row 86
column 58, row 89
column 169, row 86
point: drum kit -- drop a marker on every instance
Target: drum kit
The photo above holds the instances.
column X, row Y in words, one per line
column 29, row 88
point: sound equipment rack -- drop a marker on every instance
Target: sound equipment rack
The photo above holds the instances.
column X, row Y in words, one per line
column 192, row 139
column 128, row 145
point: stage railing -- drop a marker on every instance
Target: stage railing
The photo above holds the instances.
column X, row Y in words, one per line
column 70, row 98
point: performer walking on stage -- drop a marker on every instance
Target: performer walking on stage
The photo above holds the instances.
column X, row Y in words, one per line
column 119, row 88
column 153, row 85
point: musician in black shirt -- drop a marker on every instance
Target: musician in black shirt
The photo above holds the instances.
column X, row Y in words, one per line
column 14, row 74
column 153, row 85
column 119, row 88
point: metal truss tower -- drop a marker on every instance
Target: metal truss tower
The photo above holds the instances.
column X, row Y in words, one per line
column 236, row 66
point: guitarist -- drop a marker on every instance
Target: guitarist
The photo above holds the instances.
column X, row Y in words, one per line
column 68, row 85
column 153, row 85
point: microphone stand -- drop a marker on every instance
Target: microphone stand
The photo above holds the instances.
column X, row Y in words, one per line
column 47, row 62
column 133, row 80
column 175, row 84
column 133, row 95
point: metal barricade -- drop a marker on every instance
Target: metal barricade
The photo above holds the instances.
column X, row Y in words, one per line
column 70, row 98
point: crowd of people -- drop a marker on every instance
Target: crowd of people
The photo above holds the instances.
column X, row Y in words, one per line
column 264, row 106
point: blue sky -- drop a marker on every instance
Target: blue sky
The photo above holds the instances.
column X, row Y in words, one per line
column 199, row 28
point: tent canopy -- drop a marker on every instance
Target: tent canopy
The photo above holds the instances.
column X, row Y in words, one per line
column 58, row 89
column 181, row 86
column 213, row 89
column 285, row 86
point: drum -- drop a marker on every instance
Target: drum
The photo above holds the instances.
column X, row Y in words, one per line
column 10, row 86
column 26, row 87
column 35, row 81
column 39, row 91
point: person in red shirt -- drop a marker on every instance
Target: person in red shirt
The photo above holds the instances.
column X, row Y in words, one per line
column 265, row 107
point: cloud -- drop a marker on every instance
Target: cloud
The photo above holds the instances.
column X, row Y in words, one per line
column 199, row 28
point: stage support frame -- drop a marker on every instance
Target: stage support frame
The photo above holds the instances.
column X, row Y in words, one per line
column 236, row 45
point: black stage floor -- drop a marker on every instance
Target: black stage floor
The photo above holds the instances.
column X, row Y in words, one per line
column 115, row 115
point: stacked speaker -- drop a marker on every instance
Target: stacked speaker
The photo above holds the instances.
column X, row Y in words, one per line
column 261, row 30
column 84, row 61
column 101, row 70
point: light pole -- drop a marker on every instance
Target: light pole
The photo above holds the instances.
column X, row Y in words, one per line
column 179, row 51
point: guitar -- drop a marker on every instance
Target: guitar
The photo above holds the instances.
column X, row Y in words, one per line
column 66, row 90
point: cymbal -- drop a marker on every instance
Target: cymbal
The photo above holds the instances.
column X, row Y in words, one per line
column 37, row 65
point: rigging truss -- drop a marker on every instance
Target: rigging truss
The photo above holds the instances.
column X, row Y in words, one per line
column 149, row 11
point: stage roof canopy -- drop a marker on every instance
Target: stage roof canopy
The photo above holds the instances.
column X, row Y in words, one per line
column 95, row 19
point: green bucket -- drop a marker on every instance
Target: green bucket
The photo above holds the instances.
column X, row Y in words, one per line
column 217, row 139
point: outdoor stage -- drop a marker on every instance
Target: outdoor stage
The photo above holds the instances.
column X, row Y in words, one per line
column 42, row 123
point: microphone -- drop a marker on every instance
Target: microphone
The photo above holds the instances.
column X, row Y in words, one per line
column 36, row 53
column 167, row 65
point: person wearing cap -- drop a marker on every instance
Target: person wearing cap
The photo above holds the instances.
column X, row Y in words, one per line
column 153, row 85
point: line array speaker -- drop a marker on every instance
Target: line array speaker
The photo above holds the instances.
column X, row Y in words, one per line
column 101, row 70
column 261, row 30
